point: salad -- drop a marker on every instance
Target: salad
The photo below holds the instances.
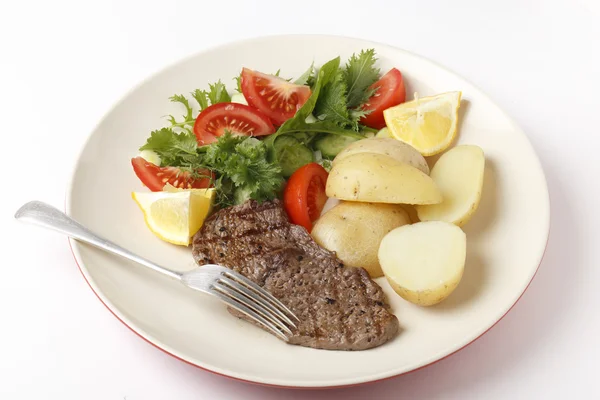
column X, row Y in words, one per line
column 341, row 131
column 247, row 142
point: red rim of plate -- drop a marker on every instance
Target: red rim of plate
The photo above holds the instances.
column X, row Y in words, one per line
column 309, row 387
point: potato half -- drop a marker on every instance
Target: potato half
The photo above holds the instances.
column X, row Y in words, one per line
column 396, row 149
column 354, row 231
column 377, row 178
column 459, row 175
column 424, row 262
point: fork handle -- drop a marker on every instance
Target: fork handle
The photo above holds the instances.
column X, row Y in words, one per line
column 42, row 214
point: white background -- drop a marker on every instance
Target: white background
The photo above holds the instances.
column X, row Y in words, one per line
column 64, row 63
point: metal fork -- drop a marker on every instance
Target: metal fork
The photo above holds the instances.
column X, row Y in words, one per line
column 228, row 286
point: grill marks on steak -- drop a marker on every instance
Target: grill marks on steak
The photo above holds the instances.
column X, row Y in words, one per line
column 340, row 308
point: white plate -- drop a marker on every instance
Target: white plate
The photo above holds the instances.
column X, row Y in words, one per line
column 506, row 238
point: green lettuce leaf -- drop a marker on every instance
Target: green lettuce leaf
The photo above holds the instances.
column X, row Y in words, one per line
column 218, row 93
column 360, row 73
column 298, row 123
column 331, row 104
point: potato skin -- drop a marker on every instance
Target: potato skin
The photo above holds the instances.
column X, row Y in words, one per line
column 377, row 178
column 354, row 231
column 426, row 297
column 396, row 149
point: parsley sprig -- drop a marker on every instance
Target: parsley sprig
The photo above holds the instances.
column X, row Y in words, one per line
column 217, row 93
column 240, row 163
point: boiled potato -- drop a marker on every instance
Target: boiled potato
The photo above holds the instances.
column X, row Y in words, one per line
column 459, row 175
column 354, row 231
column 412, row 213
column 424, row 262
column 396, row 149
column 377, row 178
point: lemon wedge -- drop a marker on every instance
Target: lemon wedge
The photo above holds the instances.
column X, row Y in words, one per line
column 428, row 124
column 175, row 216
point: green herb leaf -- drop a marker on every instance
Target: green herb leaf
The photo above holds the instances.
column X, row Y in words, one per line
column 365, row 129
column 187, row 118
column 240, row 163
column 298, row 123
column 179, row 98
column 325, row 75
column 357, row 114
column 238, row 80
column 303, row 79
column 218, row 93
column 312, row 80
column 243, row 161
column 315, row 127
column 201, row 97
column 278, row 74
column 174, row 149
column 360, row 73
column 331, row 104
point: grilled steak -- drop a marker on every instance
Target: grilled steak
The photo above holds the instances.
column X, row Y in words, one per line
column 340, row 308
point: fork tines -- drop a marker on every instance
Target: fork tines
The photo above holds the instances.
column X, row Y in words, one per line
column 252, row 300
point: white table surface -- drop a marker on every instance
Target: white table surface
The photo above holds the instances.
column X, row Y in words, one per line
column 64, row 63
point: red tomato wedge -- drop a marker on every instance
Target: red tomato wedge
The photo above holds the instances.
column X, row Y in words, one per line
column 275, row 97
column 240, row 119
column 391, row 92
column 155, row 178
column 304, row 195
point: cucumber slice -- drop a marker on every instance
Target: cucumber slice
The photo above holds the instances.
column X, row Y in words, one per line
column 305, row 137
column 291, row 154
column 331, row 145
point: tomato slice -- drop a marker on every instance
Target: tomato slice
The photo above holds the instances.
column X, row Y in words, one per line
column 391, row 92
column 238, row 118
column 155, row 177
column 274, row 96
column 304, row 195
